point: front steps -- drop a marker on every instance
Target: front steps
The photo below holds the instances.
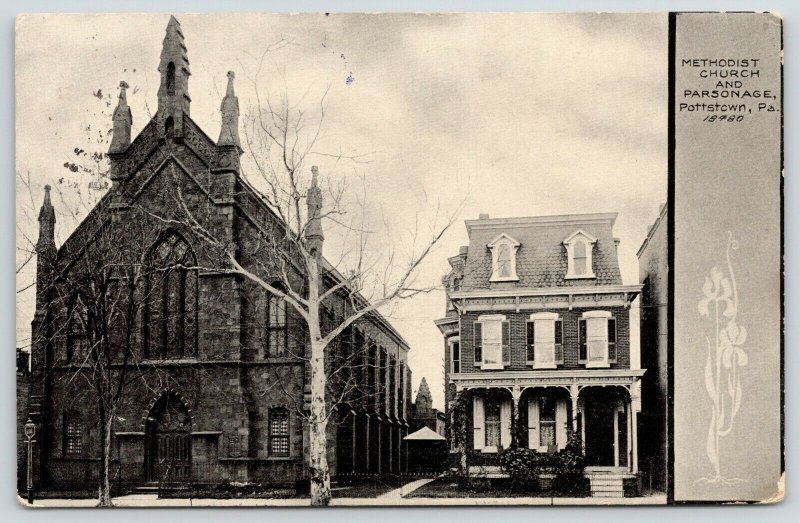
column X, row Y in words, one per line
column 607, row 484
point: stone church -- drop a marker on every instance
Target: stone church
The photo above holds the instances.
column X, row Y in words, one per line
column 214, row 368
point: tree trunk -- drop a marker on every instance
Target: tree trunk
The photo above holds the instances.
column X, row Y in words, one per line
column 318, row 421
column 104, row 496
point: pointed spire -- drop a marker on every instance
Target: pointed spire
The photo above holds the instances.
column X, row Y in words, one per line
column 314, row 209
column 424, row 399
column 47, row 221
column 173, row 93
column 45, row 249
column 229, row 132
column 122, row 123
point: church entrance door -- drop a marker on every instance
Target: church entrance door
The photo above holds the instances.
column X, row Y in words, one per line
column 169, row 449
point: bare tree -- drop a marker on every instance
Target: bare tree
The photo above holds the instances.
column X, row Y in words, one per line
column 280, row 139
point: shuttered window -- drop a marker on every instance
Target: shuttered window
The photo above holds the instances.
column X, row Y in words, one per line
column 492, row 338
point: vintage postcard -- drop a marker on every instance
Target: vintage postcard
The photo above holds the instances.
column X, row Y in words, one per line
column 399, row 259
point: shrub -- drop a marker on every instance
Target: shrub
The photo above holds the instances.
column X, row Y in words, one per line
column 525, row 468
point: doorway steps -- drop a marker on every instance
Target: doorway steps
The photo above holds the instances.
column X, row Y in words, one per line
column 607, row 484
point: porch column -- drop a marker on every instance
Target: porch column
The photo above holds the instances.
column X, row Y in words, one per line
column 634, row 443
column 573, row 394
column 516, row 393
column 636, row 406
column 616, row 435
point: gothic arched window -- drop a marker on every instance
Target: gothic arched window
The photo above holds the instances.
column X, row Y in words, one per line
column 172, row 305
column 277, row 324
column 77, row 332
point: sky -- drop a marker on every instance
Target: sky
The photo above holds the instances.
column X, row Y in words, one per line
column 507, row 114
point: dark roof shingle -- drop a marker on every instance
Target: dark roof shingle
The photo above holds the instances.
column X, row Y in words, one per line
column 541, row 257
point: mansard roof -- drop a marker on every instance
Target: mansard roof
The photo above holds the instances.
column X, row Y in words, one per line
column 541, row 258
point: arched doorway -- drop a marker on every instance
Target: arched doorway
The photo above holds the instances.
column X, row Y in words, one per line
column 169, row 451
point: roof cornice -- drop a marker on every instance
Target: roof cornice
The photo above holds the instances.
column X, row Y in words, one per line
column 538, row 221
column 631, row 290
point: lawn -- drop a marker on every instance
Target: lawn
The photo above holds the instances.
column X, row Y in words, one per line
column 454, row 488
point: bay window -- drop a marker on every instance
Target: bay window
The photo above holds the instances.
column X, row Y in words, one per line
column 455, row 355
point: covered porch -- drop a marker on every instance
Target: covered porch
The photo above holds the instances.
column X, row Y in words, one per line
column 543, row 410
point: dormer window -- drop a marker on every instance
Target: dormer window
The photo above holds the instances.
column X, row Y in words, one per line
column 504, row 258
column 579, row 247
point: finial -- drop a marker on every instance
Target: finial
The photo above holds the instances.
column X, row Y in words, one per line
column 47, row 216
column 122, row 121
column 229, row 109
column 231, row 76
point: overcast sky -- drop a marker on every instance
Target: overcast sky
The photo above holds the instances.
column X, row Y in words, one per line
column 506, row 114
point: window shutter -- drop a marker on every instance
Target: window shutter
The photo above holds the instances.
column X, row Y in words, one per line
column 533, row 423
column 505, row 423
column 530, row 342
column 612, row 339
column 582, row 339
column 506, row 342
column 561, row 423
column 478, row 341
column 559, row 342
column 478, row 436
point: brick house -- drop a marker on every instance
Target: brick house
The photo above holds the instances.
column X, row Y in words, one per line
column 537, row 343
column 220, row 383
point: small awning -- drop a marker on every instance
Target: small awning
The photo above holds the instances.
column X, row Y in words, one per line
column 424, row 434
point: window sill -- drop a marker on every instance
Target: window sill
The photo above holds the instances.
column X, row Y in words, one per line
column 508, row 278
column 597, row 365
column 492, row 366
column 538, row 366
column 580, row 276
column 489, row 450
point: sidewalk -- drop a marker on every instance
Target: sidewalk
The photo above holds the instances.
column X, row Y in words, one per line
column 392, row 498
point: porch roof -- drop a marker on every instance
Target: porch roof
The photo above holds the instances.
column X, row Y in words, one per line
column 546, row 378
column 424, row 434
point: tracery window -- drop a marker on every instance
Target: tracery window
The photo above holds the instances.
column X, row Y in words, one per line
column 172, row 300
column 77, row 332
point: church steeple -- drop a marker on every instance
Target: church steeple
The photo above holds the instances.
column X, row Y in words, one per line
column 45, row 249
column 313, row 233
column 424, row 399
column 173, row 93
